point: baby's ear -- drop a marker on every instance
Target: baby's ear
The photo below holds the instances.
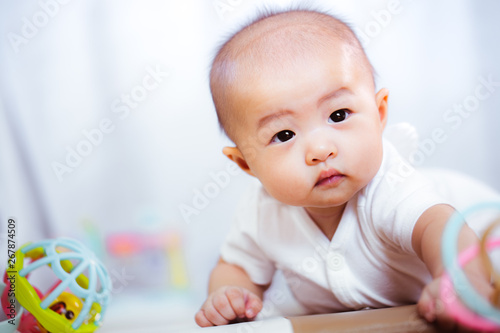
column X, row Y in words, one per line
column 381, row 99
column 235, row 155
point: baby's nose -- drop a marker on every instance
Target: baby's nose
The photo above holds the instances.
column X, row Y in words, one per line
column 320, row 152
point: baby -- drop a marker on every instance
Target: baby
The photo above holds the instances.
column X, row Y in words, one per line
column 334, row 212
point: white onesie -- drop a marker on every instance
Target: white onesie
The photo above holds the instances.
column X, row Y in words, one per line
column 369, row 262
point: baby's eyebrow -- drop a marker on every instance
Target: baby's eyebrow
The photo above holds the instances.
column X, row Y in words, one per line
column 273, row 116
column 333, row 94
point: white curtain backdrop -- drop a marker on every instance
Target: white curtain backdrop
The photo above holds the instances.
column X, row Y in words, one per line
column 107, row 124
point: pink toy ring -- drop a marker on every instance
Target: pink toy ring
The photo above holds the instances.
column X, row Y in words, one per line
column 452, row 303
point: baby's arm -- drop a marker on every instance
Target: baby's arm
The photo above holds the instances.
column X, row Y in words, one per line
column 426, row 241
column 232, row 296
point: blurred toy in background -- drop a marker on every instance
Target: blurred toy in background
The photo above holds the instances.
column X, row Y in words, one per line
column 76, row 302
column 459, row 297
column 158, row 253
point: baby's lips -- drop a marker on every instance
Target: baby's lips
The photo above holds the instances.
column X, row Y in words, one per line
column 327, row 174
column 330, row 176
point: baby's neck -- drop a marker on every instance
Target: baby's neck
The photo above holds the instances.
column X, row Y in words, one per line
column 327, row 219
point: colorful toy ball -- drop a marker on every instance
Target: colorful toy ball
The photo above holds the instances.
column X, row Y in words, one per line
column 78, row 301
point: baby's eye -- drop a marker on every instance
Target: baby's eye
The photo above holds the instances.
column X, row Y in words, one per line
column 339, row 115
column 283, row 136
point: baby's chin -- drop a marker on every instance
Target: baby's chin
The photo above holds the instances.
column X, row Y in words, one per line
column 327, row 205
column 324, row 204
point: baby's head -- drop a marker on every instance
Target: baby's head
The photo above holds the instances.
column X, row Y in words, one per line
column 295, row 92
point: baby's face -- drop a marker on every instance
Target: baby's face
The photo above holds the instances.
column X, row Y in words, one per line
column 312, row 134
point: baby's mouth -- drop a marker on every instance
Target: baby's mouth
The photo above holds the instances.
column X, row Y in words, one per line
column 329, row 177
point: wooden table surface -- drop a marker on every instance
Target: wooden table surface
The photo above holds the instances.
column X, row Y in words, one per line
column 403, row 319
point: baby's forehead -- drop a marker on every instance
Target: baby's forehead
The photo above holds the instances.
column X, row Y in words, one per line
column 280, row 36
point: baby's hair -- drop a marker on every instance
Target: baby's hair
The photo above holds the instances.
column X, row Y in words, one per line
column 320, row 24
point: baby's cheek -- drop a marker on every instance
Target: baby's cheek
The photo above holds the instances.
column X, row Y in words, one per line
column 276, row 182
column 366, row 154
column 286, row 186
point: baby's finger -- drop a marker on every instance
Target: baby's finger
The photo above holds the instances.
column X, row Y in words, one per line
column 236, row 298
column 213, row 315
column 426, row 306
column 253, row 305
column 201, row 319
column 223, row 306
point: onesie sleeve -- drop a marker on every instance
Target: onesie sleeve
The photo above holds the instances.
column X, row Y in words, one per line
column 242, row 245
column 397, row 198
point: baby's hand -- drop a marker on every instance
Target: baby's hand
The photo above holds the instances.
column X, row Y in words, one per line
column 228, row 304
column 431, row 307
